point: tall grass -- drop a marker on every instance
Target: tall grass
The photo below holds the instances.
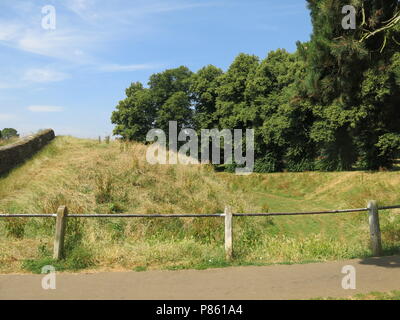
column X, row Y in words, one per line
column 4, row 142
column 90, row 177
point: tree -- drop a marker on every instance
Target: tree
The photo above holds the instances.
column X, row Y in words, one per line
column 203, row 90
column 9, row 133
column 170, row 93
column 349, row 83
column 232, row 108
column 135, row 115
column 166, row 99
column 164, row 84
column 176, row 108
column 332, row 105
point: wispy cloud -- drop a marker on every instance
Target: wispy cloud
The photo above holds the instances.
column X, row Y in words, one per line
column 79, row 6
column 87, row 27
column 8, row 85
column 62, row 44
column 45, row 109
column 9, row 30
column 129, row 67
column 77, row 39
column 22, row 29
column 6, row 116
column 44, row 75
column 119, row 11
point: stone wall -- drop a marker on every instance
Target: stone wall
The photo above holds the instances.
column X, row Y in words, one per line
column 17, row 153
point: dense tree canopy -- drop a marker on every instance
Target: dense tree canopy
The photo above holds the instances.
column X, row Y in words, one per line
column 334, row 104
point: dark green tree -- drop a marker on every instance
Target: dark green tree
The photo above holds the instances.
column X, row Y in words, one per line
column 203, row 89
column 340, row 67
column 233, row 109
column 164, row 84
column 135, row 115
column 332, row 105
column 176, row 108
column 166, row 99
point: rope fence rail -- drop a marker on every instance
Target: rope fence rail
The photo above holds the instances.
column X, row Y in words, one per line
column 62, row 215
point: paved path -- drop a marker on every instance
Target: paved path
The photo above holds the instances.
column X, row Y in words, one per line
column 271, row 282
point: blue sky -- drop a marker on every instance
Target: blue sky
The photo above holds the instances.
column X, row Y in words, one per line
column 71, row 78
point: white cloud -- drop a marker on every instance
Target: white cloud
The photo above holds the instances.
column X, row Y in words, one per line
column 66, row 45
column 7, row 85
column 122, row 11
column 8, row 31
column 44, row 75
column 129, row 67
column 6, row 116
column 45, row 108
column 80, row 7
column 91, row 27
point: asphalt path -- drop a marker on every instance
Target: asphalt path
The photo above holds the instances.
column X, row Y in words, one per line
column 301, row 281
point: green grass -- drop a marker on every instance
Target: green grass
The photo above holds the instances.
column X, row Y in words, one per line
column 391, row 295
column 140, row 268
column 76, row 260
column 90, row 177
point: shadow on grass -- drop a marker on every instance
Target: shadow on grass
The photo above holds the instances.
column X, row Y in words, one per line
column 387, row 261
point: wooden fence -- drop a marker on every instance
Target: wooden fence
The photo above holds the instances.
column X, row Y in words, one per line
column 62, row 216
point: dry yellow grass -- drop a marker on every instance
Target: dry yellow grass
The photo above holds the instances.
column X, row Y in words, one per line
column 4, row 142
column 90, row 177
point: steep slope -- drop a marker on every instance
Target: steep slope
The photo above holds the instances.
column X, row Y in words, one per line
column 90, row 177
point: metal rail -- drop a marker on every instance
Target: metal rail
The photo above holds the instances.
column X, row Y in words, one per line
column 390, row 207
column 62, row 215
column 28, row 215
column 98, row 215
column 214, row 215
column 298, row 213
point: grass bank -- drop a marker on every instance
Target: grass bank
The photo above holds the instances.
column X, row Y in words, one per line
column 4, row 142
column 90, row 177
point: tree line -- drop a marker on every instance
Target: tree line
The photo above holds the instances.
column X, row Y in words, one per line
column 334, row 104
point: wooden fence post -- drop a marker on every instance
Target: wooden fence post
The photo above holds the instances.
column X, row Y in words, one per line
column 228, row 233
column 60, row 232
column 374, row 228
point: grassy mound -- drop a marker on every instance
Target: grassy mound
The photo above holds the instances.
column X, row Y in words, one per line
column 5, row 142
column 90, row 177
